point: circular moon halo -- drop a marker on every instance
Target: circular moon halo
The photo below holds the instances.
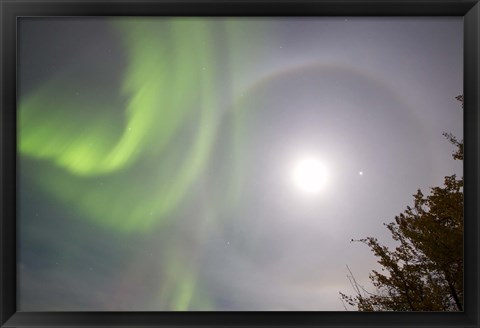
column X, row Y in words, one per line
column 310, row 175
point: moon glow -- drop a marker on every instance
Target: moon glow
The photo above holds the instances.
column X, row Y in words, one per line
column 310, row 175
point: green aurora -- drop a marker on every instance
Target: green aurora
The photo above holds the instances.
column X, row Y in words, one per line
column 112, row 157
column 167, row 90
column 90, row 163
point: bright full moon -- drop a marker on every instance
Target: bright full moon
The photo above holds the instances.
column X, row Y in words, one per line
column 310, row 175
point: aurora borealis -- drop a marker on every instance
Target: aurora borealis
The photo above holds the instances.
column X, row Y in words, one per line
column 155, row 155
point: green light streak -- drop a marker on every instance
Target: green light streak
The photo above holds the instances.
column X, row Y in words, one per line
column 167, row 89
column 114, row 159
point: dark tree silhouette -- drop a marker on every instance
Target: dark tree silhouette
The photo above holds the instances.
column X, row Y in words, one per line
column 425, row 271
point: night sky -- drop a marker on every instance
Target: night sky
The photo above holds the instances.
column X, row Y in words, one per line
column 223, row 163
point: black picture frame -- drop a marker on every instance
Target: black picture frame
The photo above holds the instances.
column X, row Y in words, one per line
column 10, row 10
